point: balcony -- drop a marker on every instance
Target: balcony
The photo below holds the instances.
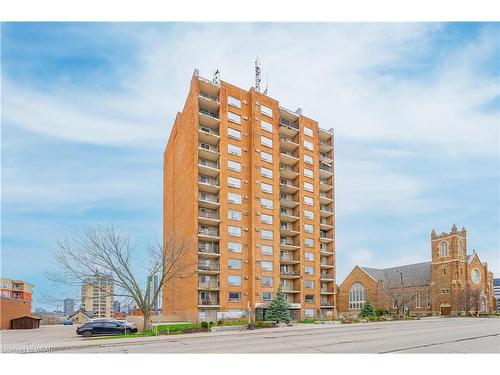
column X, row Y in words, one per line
column 288, row 215
column 325, row 184
column 208, row 249
column 289, row 289
column 209, row 135
column 208, row 200
column 288, row 143
column 289, row 274
column 209, row 117
column 326, row 264
column 287, row 186
column 208, row 184
column 208, row 233
column 325, row 249
column 289, row 127
column 288, row 172
column 207, row 302
column 325, row 145
column 325, row 211
column 288, row 157
column 208, row 267
column 287, row 201
column 288, row 229
column 208, row 167
column 324, row 236
column 326, row 276
column 326, row 223
column 212, row 285
column 287, row 243
column 287, row 258
column 208, row 151
column 326, row 305
column 209, row 101
column 325, row 198
column 208, row 216
column 325, row 170
column 326, row 290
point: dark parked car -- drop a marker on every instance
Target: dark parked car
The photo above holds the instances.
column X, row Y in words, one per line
column 68, row 322
column 105, row 327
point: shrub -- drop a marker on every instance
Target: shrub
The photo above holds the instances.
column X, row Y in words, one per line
column 264, row 324
column 210, row 324
column 368, row 310
column 220, row 322
column 307, row 321
column 381, row 312
column 204, row 325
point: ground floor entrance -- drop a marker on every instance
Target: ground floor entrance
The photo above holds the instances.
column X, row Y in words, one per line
column 445, row 310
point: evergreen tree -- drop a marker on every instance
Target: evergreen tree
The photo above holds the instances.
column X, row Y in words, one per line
column 368, row 310
column 278, row 309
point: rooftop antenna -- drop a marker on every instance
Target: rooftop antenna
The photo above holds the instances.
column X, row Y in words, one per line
column 257, row 74
column 216, row 78
column 267, row 84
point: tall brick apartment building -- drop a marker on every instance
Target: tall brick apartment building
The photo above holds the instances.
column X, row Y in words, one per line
column 453, row 282
column 250, row 185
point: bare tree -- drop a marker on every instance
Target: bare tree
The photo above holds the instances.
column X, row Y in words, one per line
column 401, row 291
column 99, row 252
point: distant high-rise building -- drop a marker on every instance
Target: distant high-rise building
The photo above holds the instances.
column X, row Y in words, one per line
column 156, row 301
column 496, row 291
column 69, row 306
column 116, row 306
column 253, row 184
column 97, row 296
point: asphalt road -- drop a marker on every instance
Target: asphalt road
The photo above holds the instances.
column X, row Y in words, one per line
column 441, row 335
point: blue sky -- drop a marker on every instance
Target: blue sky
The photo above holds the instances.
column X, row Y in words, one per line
column 87, row 109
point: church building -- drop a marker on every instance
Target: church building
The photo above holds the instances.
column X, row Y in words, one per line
column 453, row 282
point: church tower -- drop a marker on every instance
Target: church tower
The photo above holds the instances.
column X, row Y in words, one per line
column 449, row 269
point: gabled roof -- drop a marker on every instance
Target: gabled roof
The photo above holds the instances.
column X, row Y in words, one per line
column 413, row 274
column 89, row 314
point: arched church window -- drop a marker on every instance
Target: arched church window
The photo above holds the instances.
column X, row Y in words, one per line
column 357, row 296
column 443, row 249
column 460, row 247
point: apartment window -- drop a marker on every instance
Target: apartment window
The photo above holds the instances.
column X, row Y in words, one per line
column 234, row 231
column 308, row 159
column 266, row 296
column 308, row 173
column 308, row 214
column 266, row 172
column 445, row 291
column 428, row 297
column 231, row 100
column 266, row 110
column 309, row 313
column 234, row 264
column 234, row 215
column 266, row 234
column 266, row 219
column 233, row 280
column 233, row 133
column 267, row 126
column 308, row 145
column 233, row 150
column 309, row 270
column 266, row 266
column 308, row 131
column 266, row 188
column 266, row 249
column 266, row 281
column 308, row 298
column 234, row 296
column 309, row 284
column 234, row 247
column 266, row 203
column 309, row 256
column 309, row 201
column 308, row 228
column 234, row 198
column 234, row 182
column 308, row 186
column 234, row 165
column 418, row 301
column 266, row 141
column 266, row 157
column 234, row 117
column 309, row 242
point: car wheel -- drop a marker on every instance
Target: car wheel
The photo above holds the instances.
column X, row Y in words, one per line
column 87, row 333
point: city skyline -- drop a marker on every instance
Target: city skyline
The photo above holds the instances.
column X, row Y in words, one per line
column 414, row 109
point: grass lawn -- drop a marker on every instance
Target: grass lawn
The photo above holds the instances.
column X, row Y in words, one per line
column 162, row 329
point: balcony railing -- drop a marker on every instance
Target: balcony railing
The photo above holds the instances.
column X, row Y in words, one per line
column 208, row 147
column 208, row 267
column 287, row 212
column 209, row 214
column 287, row 139
column 324, row 181
column 208, row 197
column 209, row 96
column 324, row 275
column 289, row 273
column 210, row 113
column 325, row 168
column 287, row 257
column 289, row 153
column 208, row 163
column 288, row 242
column 326, row 290
column 208, row 130
column 289, row 124
column 325, row 195
column 324, row 235
column 205, row 247
column 209, row 285
column 208, row 302
column 208, row 180
column 287, row 288
column 325, row 143
column 208, row 232
column 287, row 183
column 325, row 208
